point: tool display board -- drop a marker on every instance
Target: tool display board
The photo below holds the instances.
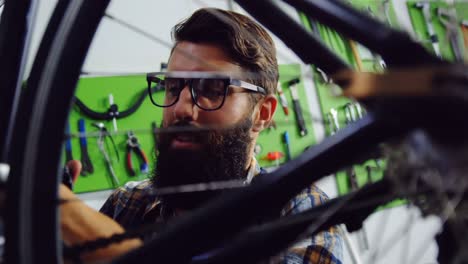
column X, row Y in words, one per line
column 360, row 58
column 372, row 170
column 94, row 92
column 441, row 17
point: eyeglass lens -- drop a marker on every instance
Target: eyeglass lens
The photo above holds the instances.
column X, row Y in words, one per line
column 207, row 93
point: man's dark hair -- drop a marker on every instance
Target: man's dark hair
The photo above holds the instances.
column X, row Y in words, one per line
column 245, row 42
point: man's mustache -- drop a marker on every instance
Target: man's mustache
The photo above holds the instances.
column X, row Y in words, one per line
column 184, row 128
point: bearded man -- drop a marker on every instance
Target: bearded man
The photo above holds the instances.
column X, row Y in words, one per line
column 218, row 95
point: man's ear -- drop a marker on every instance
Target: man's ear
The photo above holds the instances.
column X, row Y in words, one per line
column 264, row 115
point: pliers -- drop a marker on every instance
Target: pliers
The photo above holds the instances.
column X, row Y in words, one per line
column 102, row 144
column 134, row 146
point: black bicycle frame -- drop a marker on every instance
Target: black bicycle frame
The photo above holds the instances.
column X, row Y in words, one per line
column 16, row 20
column 32, row 194
column 32, row 219
column 204, row 228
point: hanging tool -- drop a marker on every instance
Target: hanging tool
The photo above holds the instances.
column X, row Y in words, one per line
column 369, row 170
column 313, row 24
column 425, row 8
column 274, row 156
column 154, row 129
column 356, row 55
column 297, row 106
column 103, row 134
column 257, row 149
column 113, row 111
column 385, row 10
column 336, row 123
column 67, row 178
column 464, row 28
column 134, row 146
column 350, row 113
column 69, row 175
column 331, row 127
column 68, row 146
column 85, row 160
column 377, row 61
column 332, row 121
column 360, row 112
column 351, row 179
column 448, row 18
column 283, row 100
column 288, row 145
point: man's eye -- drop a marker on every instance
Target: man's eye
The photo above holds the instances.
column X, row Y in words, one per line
column 172, row 87
column 211, row 88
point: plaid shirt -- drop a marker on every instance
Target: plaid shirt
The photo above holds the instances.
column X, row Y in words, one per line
column 132, row 206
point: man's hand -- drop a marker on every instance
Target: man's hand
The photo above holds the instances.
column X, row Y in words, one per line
column 80, row 223
column 71, row 172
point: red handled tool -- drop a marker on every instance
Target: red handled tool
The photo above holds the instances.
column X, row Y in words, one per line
column 134, row 146
column 282, row 99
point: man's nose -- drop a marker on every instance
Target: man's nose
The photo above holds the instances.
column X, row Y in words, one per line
column 185, row 109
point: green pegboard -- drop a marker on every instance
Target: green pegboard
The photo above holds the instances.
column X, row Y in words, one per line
column 94, row 92
column 461, row 7
column 381, row 10
column 420, row 26
column 272, row 139
column 328, row 101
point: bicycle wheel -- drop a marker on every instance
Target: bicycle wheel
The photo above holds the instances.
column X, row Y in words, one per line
column 64, row 58
column 32, row 197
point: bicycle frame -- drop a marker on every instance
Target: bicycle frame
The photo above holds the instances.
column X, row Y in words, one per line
column 31, row 201
column 16, row 20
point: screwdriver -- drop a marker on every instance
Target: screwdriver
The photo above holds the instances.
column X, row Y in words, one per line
column 288, row 146
column 282, row 99
column 297, row 107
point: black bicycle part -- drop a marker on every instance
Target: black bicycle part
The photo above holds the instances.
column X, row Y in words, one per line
column 68, row 145
column 32, row 219
column 321, row 160
column 396, row 48
column 360, row 206
column 219, row 220
column 104, row 133
column 295, row 36
column 16, row 19
column 263, row 241
column 112, row 111
column 201, row 229
column 88, row 167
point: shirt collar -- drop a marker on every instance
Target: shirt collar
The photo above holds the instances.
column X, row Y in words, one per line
column 253, row 170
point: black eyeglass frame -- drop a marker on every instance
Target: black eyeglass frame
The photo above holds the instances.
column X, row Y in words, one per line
column 189, row 76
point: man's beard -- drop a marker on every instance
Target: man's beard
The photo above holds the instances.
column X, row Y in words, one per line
column 222, row 157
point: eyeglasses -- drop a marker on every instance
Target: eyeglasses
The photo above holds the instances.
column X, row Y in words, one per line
column 208, row 89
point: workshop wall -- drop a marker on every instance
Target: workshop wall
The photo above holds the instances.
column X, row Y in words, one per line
column 116, row 49
column 94, row 93
column 449, row 25
column 337, row 111
column 408, row 222
column 443, row 29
